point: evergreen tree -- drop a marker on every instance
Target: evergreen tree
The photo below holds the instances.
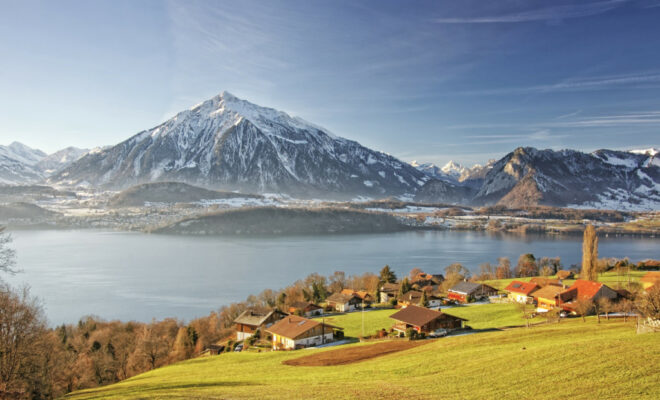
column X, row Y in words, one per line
column 424, row 301
column 387, row 275
column 405, row 287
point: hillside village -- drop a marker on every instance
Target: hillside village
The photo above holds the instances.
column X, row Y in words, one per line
column 423, row 306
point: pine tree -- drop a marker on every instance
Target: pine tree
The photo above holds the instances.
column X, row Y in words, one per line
column 589, row 254
column 424, row 301
column 387, row 275
column 405, row 287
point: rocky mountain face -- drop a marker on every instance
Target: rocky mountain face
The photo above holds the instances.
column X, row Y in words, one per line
column 21, row 164
column 229, row 143
column 602, row 179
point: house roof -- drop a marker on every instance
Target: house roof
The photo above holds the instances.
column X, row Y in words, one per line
column 362, row 294
column 302, row 305
column 389, row 287
column 254, row 318
column 415, row 296
column 582, row 290
column 651, row 277
column 468, row 287
column 564, row 274
column 293, row 326
column 544, row 281
column 341, row 297
column 419, row 316
column 521, row 287
column 548, row 292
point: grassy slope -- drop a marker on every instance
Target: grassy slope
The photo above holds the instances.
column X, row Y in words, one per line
column 478, row 316
column 567, row 360
column 611, row 279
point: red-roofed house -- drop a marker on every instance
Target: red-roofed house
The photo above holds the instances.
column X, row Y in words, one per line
column 520, row 292
column 584, row 290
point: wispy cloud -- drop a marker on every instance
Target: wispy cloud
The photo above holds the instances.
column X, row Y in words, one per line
column 640, row 80
column 624, row 119
column 553, row 13
column 569, row 115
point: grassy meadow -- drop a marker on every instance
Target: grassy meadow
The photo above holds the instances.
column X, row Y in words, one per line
column 571, row 359
column 481, row 316
column 610, row 278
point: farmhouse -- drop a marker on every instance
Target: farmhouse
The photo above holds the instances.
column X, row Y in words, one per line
column 388, row 292
column 305, row 308
column 344, row 302
column 565, row 274
column 584, row 290
column 364, row 296
column 466, row 292
column 294, row 332
column 650, row 278
column 249, row 321
column 423, row 279
column 547, row 298
column 424, row 320
column 414, row 297
column 520, row 292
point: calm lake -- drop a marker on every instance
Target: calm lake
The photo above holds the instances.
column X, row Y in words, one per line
column 135, row 276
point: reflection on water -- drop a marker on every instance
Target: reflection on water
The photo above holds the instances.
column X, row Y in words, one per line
column 139, row 276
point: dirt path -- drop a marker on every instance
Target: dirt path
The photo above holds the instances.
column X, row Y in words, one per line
column 354, row 354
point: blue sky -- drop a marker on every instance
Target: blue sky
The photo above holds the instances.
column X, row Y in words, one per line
column 431, row 81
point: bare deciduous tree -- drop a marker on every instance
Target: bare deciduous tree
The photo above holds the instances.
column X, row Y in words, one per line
column 7, row 254
column 589, row 254
column 21, row 327
column 583, row 307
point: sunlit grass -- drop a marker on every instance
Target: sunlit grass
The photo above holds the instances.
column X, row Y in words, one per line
column 571, row 359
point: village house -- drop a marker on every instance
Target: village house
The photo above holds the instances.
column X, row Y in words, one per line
column 344, row 302
column 584, row 290
column 212, row 350
column 388, row 292
column 565, row 274
column 249, row 321
column 414, row 297
column 547, row 298
column 424, row 320
column 305, row 308
column 520, row 292
column 364, row 296
column 466, row 292
column 423, row 279
column 649, row 279
column 294, row 332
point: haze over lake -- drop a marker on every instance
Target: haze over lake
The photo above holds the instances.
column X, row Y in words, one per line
column 135, row 276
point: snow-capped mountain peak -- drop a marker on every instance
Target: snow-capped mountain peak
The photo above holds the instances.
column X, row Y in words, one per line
column 230, row 143
column 453, row 169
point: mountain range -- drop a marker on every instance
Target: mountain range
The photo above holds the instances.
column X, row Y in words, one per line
column 231, row 144
column 20, row 164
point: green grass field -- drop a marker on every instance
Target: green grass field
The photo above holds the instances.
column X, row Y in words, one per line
column 479, row 317
column 571, row 359
column 612, row 279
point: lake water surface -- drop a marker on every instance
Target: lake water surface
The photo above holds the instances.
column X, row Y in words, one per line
column 135, row 276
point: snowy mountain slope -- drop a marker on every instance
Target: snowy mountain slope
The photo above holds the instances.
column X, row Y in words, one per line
column 433, row 171
column 21, row 164
column 229, row 143
column 602, row 179
column 18, row 164
column 60, row 159
column 454, row 170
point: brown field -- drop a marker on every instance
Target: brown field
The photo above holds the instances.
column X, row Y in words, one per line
column 353, row 354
